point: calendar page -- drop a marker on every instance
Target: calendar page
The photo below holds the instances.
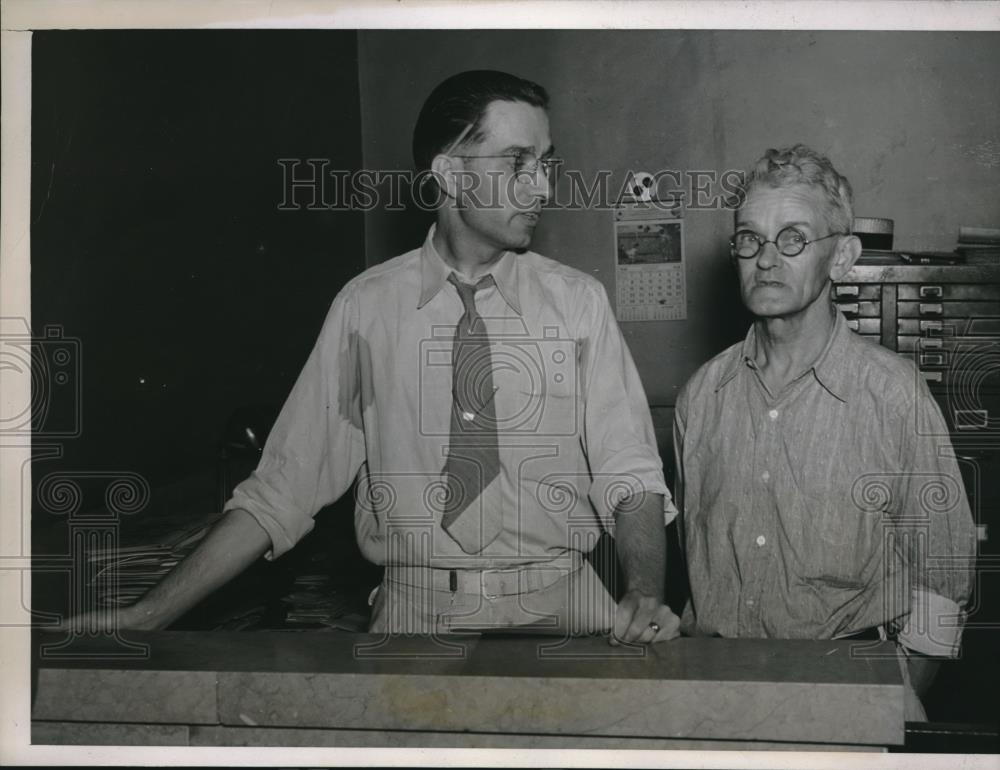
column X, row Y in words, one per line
column 651, row 283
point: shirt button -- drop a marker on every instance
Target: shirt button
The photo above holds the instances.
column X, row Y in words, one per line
column 749, row 602
column 761, row 540
column 773, row 414
column 766, row 476
column 468, row 416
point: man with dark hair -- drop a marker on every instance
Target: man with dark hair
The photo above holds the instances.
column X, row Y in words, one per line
column 819, row 492
column 456, row 110
column 484, row 400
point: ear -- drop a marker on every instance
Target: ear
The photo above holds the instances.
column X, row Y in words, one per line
column 846, row 254
column 442, row 167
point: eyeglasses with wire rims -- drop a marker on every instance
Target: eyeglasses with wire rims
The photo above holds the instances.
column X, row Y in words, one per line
column 524, row 161
column 790, row 242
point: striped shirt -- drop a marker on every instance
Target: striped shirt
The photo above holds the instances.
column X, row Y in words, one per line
column 829, row 508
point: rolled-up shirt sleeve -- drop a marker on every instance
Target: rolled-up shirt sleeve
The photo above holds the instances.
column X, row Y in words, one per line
column 618, row 430
column 938, row 531
column 316, row 447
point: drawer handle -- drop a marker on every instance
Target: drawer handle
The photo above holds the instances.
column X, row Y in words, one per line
column 846, row 291
column 931, row 326
column 930, row 292
column 853, row 324
column 933, row 376
column 931, row 343
column 931, row 308
column 850, row 307
column 932, row 359
column 971, row 419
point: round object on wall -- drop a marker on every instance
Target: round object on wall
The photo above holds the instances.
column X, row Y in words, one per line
column 641, row 185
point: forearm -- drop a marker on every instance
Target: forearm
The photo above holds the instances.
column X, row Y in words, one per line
column 641, row 543
column 228, row 549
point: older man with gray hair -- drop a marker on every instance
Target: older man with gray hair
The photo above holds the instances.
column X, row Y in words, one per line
column 803, row 477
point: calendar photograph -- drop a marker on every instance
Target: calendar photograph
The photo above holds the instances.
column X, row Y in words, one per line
column 649, row 242
column 650, row 275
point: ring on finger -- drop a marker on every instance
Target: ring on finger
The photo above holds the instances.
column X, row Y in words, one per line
column 655, row 627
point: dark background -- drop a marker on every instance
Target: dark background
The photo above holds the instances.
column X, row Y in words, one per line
column 156, row 235
column 159, row 247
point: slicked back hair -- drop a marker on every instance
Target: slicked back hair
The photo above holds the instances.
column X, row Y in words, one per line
column 459, row 104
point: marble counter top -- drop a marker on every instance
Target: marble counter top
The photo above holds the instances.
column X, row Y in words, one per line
column 694, row 689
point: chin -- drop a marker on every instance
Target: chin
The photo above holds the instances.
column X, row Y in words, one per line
column 765, row 309
column 767, row 302
column 518, row 243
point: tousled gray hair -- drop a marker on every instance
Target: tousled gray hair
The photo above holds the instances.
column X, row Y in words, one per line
column 804, row 166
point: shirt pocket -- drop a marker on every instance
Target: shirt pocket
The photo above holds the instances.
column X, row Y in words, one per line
column 552, row 412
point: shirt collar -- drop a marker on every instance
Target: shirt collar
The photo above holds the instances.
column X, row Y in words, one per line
column 830, row 369
column 434, row 274
column 737, row 360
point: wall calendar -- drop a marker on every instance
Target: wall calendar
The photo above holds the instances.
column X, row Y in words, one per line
column 649, row 253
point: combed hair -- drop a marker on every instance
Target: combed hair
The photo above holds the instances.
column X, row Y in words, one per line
column 460, row 102
column 803, row 165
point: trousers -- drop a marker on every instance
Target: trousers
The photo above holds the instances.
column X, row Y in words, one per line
column 570, row 601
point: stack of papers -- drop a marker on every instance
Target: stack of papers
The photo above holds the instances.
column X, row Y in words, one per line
column 121, row 575
column 979, row 244
column 313, row 601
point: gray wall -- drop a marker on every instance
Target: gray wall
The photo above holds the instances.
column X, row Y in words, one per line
column 913, row 119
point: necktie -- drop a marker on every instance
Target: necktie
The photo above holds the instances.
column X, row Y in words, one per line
column 472, row 518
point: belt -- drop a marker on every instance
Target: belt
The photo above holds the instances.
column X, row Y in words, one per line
column 491, row 583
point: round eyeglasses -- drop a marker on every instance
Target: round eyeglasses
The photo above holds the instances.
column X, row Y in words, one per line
column 790, row 242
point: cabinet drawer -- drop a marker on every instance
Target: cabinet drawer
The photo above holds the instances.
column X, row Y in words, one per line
column 861, row 309
column 965, row 376
column 966, row 327
column 929, row 292
column 946, row 309
column 977, row 416
column 865, row 326
column 983, row 348
column 846, row 292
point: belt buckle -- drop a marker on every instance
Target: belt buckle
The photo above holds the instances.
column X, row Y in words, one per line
column 482, row 583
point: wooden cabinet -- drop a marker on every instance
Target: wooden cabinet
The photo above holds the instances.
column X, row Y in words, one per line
column 947, row 320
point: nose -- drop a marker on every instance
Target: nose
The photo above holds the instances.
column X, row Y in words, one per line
column 768, row 256
column 530, row 186
column 541, row 183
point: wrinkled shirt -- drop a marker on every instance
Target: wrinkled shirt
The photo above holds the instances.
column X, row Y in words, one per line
column 829, row 508
column 374, row 401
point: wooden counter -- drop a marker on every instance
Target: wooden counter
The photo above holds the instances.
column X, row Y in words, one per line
column 337, row 689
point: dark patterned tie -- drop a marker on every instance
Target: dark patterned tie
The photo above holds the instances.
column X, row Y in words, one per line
column 472, row 518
